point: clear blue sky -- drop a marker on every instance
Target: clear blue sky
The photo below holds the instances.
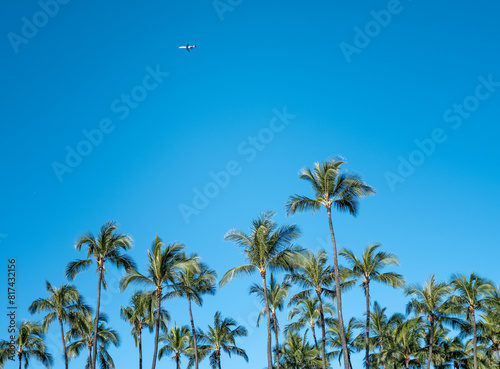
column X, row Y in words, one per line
column 430, row 72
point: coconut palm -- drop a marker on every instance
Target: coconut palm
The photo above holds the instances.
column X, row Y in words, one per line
column 192, row 284
column 297, row 353
column 333, row 339
column 61, row 303
column 107, row 247
column 140, row 315
column 81, row 337
column 429, row 301
column 332, row 188
column 382, row 327
column 267, row 247
column 314, row 276
column 30, row 344
column 307, row 313
column 403, row 347
column 163, row 268
column 276, row 294
column 470, row 295
column 368, row 269
column 5, row 352
column 489, row 328
column 176, row 341
column 221, row 337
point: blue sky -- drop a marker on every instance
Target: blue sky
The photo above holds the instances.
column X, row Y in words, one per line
column 414, row 110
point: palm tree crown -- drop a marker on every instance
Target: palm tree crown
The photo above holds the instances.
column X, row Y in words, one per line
column 107, row 247
column 222, row 337
column 366, row 269
column 267, row 247
column 30, row 344
column 163, row 268
column 332, row 188
column 62, row 303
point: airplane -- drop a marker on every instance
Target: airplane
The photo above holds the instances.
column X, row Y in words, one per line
column 187, row 47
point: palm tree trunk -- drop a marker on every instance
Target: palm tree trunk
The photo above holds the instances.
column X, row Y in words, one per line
column 158, row 310
column 431, row 343
column 367, row 337
column 269, row 356
column 474, row 329
column 96, row 321
column 277, row 342
column 323, row 331
column 20, row 358
column 218, row 360
column 381, row 342
column 140, row 348
column 63, row 343
column 194, row 335
column 90, row 355
column 337, row 292
column 177, row 362
column 314, row 335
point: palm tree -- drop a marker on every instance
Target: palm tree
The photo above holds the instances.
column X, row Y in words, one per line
column 307, row 312
column 489, row 328
column 5, row 352
column 429, row 301
column 332, row 188
column 276, row 294
column 222, row 337
column 403, row 347
column 30, row 343
column 106, row 247
column 471, row 294
column 333, row 338
column 368, row 269
column 267, row 247
column 82, row 335
column 63, row 302
column 297, row 353
column 140, row 315
column 382, row 327
column 163, row 267
column 314, row 275
column 192, row 284
column 176, row 342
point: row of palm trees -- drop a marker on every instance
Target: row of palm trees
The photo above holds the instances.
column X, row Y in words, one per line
column 268, row 248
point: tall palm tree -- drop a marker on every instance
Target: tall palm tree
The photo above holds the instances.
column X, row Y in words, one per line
column 107, row 247
column 306, row 310
column 337, row 189
column 140, row 315
column 192, row 284
column 61, row 303
column 276, row 294
column 82, row 335
column 163, row 267
column 177, row 342
column 333, row 338
column 429, row 301
column 470, row 295
column 267, row 247
column 297, row 353
column 382, row 327
column 314, row 276
column 222, row 337
column 30, row 343
column 368, row 269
